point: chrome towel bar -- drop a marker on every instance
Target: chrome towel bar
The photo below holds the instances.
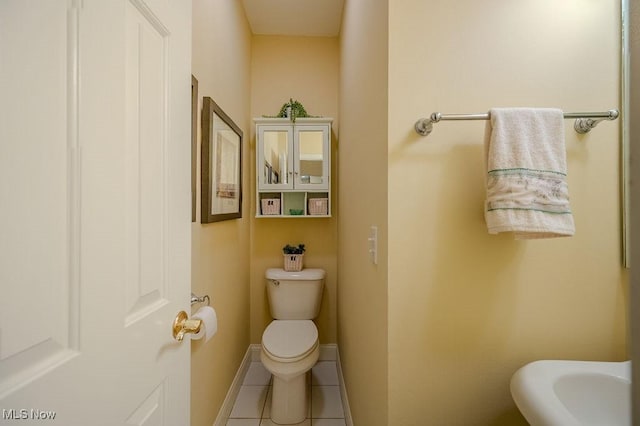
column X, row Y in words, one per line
column 585, row 121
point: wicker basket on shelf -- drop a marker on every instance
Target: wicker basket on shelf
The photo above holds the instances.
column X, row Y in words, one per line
column 270, row 206
column 318, row 206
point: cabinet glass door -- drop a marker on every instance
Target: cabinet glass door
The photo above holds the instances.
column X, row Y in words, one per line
column 275, row 167
column 312, row 162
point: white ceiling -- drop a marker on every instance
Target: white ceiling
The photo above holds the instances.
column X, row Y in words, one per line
column 320, row 18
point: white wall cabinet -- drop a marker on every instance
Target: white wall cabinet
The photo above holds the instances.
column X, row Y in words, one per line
column 293, row 167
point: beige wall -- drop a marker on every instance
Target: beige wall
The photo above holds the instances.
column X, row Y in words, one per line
column 305, row 69
column 436, row 329
column 466, row 309
column 220, row 260
column 362, row 288
column 635, row 200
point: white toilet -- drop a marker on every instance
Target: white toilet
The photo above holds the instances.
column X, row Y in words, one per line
column 290, row 345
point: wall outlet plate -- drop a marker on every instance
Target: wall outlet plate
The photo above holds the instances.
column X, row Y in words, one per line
column 373, row 244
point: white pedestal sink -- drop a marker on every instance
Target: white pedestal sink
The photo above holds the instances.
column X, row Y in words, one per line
column 574, row 393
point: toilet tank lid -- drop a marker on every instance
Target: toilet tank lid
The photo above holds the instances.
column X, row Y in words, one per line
column 304, row 275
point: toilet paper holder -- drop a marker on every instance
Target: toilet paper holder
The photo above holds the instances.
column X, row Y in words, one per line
column 200, row 299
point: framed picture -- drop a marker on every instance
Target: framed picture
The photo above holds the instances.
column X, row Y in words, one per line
column 194, row 143
column 221, row 177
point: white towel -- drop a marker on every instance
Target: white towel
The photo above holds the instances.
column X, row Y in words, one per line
column 527, row 174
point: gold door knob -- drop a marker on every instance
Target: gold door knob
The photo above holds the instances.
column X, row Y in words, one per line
column 183, row 325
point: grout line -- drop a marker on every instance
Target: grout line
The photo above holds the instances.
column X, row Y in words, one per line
column 309, row 376
column 264, row 404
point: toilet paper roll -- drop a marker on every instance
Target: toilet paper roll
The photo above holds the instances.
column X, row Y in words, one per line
column 209, row 325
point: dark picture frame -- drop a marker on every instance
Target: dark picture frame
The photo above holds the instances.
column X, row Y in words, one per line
column 221, row 176
column 194, row 144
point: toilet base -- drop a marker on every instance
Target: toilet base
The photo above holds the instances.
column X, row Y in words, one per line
column 289, row 400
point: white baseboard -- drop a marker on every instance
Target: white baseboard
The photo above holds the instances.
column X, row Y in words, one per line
column 234, row 390
column 343, row 392
column 255, row 352
column 328, row 352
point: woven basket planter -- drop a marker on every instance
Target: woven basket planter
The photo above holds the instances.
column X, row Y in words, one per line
column 293, row 262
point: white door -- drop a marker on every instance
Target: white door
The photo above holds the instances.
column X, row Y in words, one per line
column 94, row 211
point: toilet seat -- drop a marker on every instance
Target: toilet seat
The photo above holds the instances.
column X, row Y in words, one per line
column 290, row 340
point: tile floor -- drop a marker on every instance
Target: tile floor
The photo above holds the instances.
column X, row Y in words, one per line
column 253, row 404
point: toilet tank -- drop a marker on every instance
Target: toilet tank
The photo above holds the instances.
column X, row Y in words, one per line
column 294, row 295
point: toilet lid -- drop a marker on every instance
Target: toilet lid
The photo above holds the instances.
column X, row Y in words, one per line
column 290, row 339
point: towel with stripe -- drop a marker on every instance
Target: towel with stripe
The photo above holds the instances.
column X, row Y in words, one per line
column 527, row 191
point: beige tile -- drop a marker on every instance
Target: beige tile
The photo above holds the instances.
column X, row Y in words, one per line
column 250, row 402
column 326, row 402
column 266, row 414
column 268, row 422
column 254, row 400
column 324, row 373
column 257, row 375
column 328, row 422
column 243, row 422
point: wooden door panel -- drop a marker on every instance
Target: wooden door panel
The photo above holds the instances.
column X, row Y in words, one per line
column 38, row 182
column 94, row 210
column 146, row 172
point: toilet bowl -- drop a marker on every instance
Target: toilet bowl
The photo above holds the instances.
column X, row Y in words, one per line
column 290, row 345
column 289, row 349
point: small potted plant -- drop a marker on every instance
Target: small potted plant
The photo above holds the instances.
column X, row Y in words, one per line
column 292, row 110
column 293, row 257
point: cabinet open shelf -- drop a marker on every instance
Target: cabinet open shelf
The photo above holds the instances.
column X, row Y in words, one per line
column 293, row 204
